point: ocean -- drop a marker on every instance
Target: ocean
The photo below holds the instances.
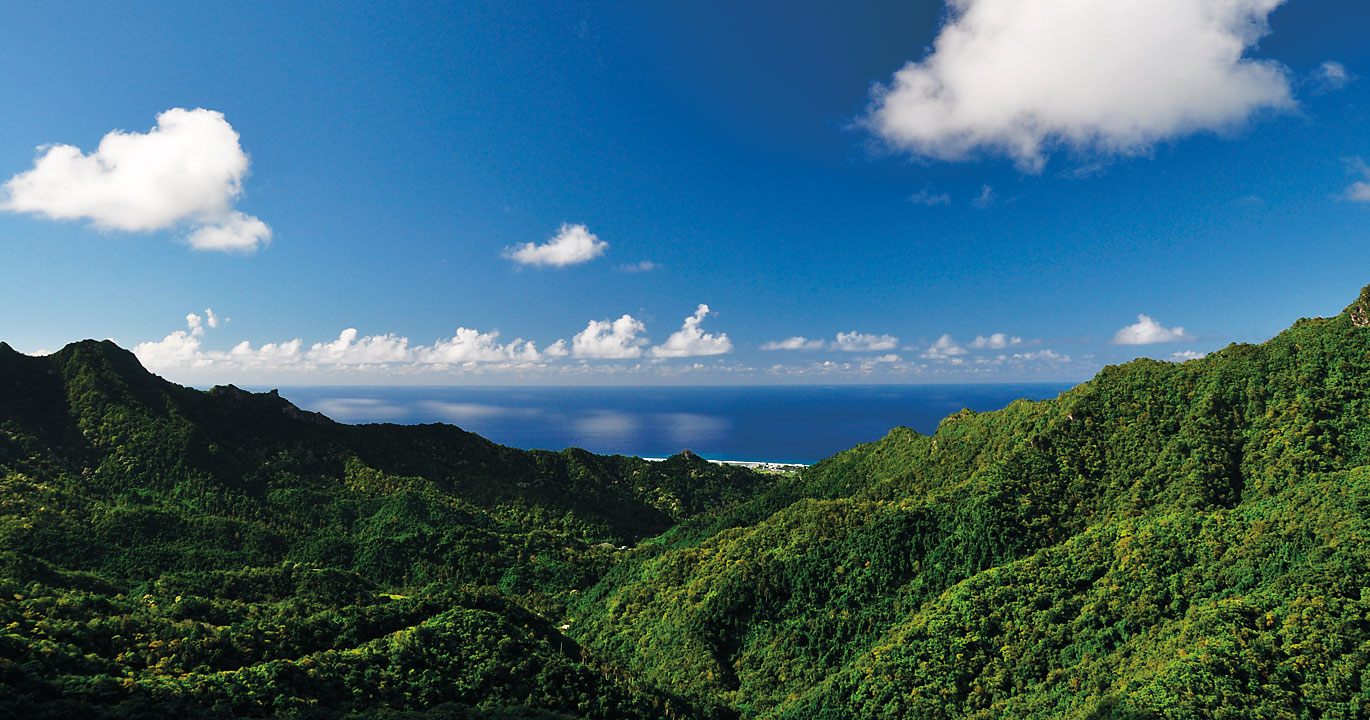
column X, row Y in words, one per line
column 791, row 424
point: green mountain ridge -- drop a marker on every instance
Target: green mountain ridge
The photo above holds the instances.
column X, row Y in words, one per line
column 1165, row 540
column 241, row 513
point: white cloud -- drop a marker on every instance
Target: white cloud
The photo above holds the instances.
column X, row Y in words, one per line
column 797, row 342
column 864, row 342
column 196, row 324
column 927, row 197
column 986, row 199
column 269, row 356
column 573, row 244
column 887, row 364
column 352, row 357
column 186, row 172
column 1021, row 77
column 469, row 350
column 690, row 341
column 1042, row 355
column 638, row 267
column 180, row 349
column 234, row 232
column 348, row 349
column 996, row 341
column 1183, row 355
column 604, row 339
column 470, row 345
column 1147, row 331
column 867, row 364
column 1330, row 76
column 945, row 347
column 1359, row 191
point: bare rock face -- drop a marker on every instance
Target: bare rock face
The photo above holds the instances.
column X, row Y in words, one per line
column 1360, row 309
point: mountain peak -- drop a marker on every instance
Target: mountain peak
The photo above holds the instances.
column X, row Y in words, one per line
column 106, row 350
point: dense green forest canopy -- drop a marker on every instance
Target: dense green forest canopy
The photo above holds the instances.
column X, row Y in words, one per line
column 1164, row 541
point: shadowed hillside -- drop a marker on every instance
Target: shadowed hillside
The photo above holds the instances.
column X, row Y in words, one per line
column 190, row 534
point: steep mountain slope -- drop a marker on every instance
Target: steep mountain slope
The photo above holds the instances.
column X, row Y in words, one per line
column 1163, row 541
column 152, row 536
column 90, row 419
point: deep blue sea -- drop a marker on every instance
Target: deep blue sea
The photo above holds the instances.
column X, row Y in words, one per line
column 800, row 424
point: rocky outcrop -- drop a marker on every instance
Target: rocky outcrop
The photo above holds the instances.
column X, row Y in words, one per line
column 1360, row 309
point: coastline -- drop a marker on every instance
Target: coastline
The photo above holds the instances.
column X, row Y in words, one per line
column 753, row 464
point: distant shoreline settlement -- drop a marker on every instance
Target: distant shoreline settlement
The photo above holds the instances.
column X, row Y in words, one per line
column 752, row 464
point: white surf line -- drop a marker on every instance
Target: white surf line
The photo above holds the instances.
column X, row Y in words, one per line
column 743, row 463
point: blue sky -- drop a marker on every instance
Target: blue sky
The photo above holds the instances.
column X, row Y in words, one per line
column 369, row 196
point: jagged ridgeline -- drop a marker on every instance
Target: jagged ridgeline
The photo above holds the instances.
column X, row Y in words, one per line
column 1166, row 540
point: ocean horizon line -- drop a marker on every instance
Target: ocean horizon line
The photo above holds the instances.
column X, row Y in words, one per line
column 799, row 424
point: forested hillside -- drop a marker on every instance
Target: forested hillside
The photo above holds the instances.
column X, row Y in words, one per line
column 1166, row 540
column 1163, row 541
column 225, row 553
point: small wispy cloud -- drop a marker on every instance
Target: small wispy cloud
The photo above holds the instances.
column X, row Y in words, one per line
column 638, row 267
column 996, row 341
column 868, row 364
column 1358, row 191
column 1185, row 355
column 864, row 342
column 986, row 199
column 929, row 198
column 1330, row 77
column 945, row 347
column 798, row 342
column 1047, row 355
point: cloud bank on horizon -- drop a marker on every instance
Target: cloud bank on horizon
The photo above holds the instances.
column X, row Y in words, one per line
column 601, row 348
column 600, row 340
column 1020, row 79
column 187, row 172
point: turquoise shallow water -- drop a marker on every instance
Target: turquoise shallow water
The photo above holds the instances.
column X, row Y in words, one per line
column 801, row 424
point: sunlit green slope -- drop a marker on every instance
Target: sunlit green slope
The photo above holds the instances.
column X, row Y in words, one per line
column 1166, row 540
